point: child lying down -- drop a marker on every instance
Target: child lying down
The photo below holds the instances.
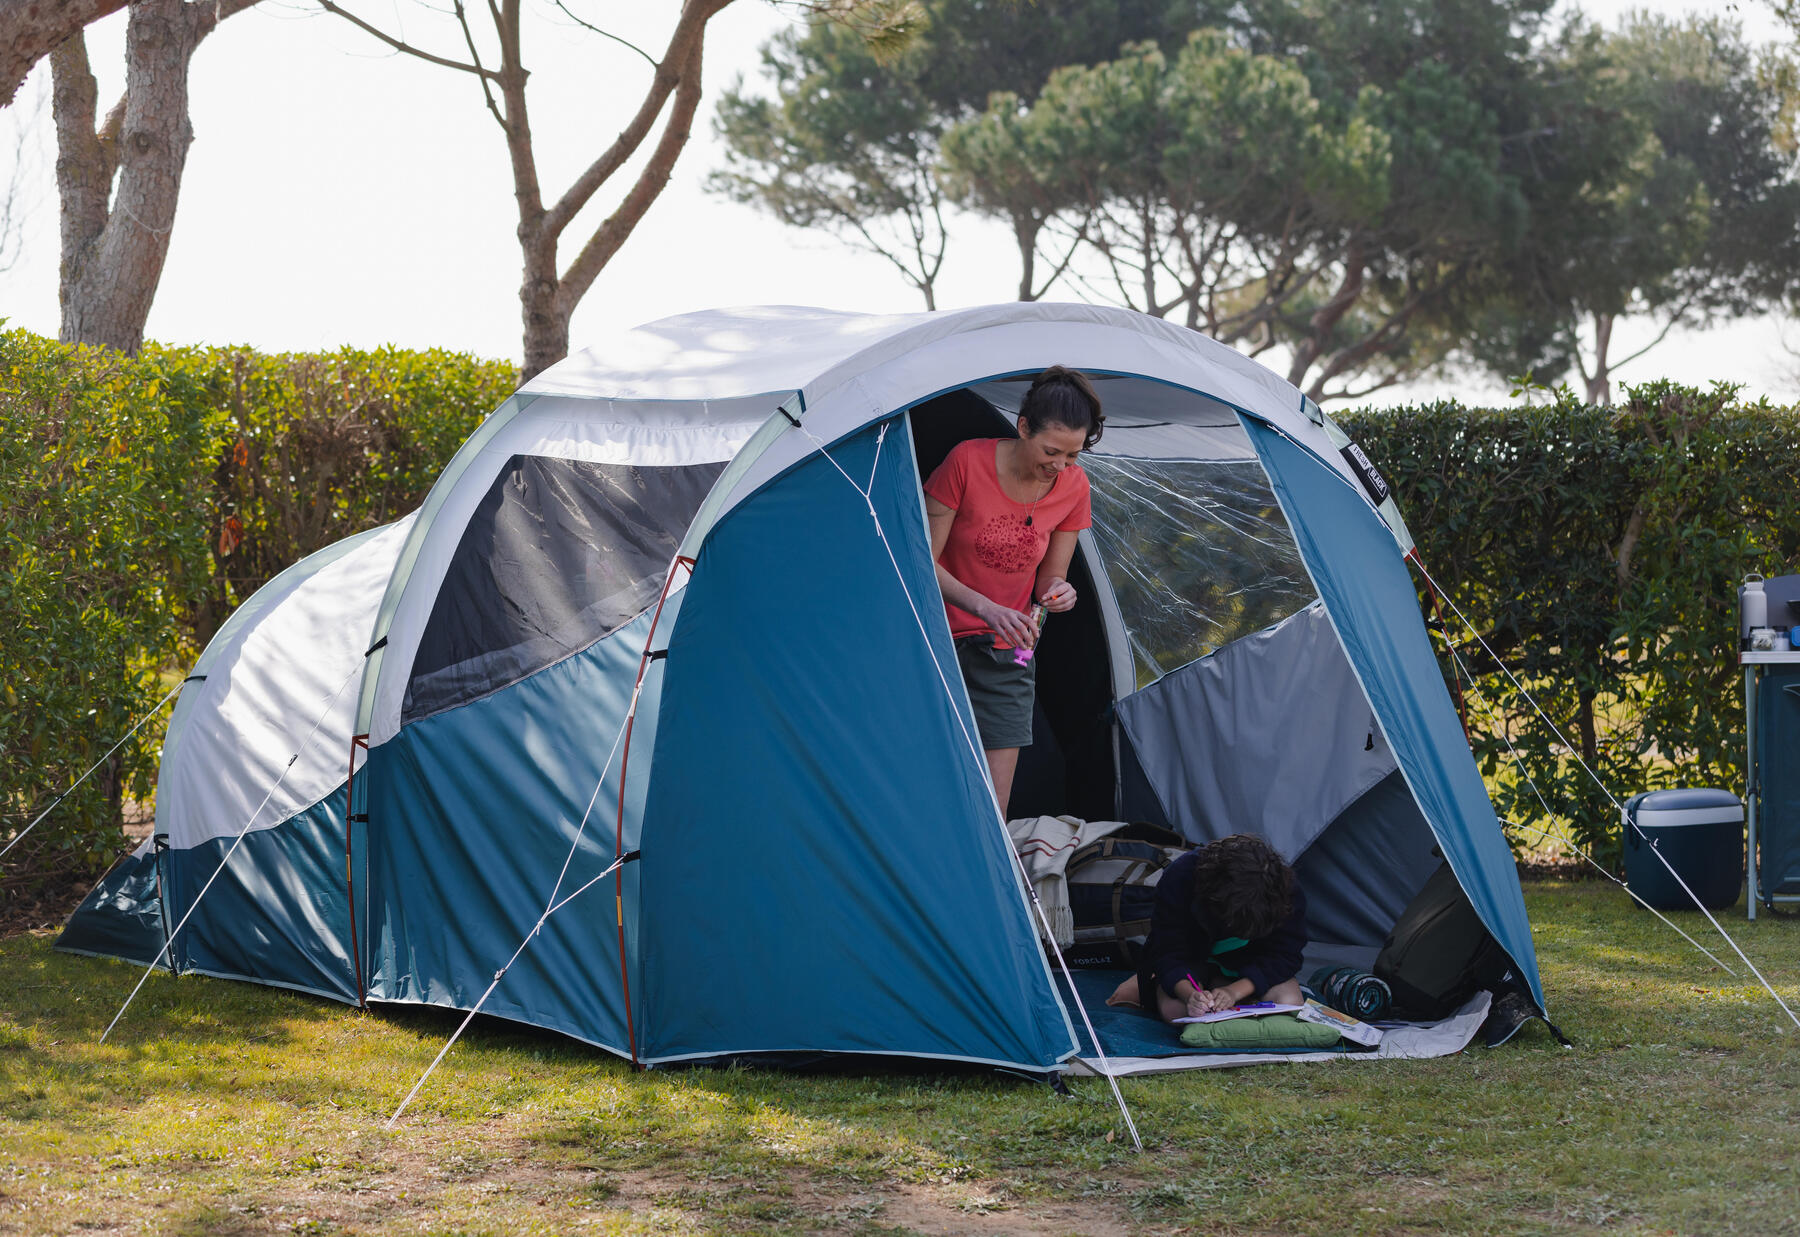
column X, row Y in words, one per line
column 1229, row 926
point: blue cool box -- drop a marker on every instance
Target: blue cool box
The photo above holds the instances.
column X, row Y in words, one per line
column 1701, row 835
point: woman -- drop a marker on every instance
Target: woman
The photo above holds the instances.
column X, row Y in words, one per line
column 1004, row 514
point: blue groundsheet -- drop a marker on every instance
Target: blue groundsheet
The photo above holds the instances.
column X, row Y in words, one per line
column 1122, row 1032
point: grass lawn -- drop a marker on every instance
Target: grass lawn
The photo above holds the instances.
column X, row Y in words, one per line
column 225, row 1108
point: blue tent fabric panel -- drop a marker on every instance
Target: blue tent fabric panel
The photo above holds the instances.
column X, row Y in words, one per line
column 1369, row 594
column 122, row 915
column 823, row 868
column 279, row 911
column 472, row 813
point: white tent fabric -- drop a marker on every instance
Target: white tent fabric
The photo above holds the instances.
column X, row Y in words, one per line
column 233, row 731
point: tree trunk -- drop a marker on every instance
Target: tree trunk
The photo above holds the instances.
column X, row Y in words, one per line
column 1025, row 233
column 113, row 256
column 1599, row 383
column 1325, row 320
column 546, row 323
column 114, row 241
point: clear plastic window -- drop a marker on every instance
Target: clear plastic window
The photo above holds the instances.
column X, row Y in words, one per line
column 1198, row 554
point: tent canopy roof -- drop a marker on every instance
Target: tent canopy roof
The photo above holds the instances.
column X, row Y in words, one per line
column 727, row 354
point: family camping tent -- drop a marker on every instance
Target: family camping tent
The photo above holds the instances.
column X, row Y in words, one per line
column 665, row 636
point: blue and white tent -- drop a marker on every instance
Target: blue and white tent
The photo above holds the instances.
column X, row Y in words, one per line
column 673, row 604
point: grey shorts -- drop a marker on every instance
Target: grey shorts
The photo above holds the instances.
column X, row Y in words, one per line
column 1001, row 692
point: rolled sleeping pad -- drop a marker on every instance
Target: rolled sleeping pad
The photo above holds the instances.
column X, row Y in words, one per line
column 1353, row 992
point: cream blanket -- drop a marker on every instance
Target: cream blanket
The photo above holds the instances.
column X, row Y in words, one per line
column 1045, row 844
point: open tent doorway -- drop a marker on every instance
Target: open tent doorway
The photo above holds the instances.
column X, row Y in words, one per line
column 1070, row 766
column 1198, row 684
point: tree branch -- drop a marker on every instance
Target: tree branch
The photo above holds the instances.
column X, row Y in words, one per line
column 32, row 29
column 650, row 182
column 207, row 14
column 461, row 13
column 670, row 75
column 607, row 34
column 400, row 46
column 1075, row 243
column 1661, row 335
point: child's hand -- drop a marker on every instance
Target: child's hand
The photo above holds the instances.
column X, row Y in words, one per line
column 1222, row 999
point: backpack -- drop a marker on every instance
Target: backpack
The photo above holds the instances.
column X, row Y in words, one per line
column 1439, row 954
column 1112, row 889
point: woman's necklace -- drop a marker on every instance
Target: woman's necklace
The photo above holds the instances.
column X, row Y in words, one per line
column 1032, row 510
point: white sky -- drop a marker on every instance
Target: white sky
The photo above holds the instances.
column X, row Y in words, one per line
column 337, row 194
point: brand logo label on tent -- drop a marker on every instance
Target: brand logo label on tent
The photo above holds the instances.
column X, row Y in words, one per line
column 1373, row 482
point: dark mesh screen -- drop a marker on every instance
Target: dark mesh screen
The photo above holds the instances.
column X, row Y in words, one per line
column 558, row 554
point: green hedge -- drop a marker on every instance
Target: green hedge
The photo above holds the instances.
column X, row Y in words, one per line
column 1598, row 552
column 142, row 498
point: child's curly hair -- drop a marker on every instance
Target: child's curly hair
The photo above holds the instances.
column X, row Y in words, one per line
column 1242, row 886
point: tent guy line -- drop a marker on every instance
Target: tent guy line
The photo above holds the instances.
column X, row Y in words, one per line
column 242, row 834
column 1623, row 814
column 551, row 905
column 1463, row 671
column 1548, row 836
column 975, row 752
column 173, row 692
column 612, row 867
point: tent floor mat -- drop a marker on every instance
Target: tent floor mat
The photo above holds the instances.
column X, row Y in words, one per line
column 1136, row 1043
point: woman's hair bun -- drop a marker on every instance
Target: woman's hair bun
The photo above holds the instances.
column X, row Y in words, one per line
column 1062, row 396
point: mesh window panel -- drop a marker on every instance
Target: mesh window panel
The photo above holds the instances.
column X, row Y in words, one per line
column 1198, row 553
column 558, row 554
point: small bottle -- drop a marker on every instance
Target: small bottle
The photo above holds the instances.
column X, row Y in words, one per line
column 1022, row 657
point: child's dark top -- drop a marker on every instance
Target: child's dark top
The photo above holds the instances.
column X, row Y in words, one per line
column 1181, row 942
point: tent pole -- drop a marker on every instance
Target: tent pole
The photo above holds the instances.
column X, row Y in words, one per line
column 619, row 820
column 356, row 741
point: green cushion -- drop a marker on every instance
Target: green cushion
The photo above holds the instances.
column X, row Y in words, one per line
column 1269, row 1033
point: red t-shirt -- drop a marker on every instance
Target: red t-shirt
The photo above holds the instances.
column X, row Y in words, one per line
column 991, row 548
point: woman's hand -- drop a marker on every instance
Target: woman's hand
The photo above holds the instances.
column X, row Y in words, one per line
column 1057, row 595
column 1014, row 628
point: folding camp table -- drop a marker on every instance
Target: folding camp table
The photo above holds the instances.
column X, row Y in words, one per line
column 1772, row 770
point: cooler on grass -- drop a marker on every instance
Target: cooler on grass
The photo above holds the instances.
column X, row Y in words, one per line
column 1701, row 835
